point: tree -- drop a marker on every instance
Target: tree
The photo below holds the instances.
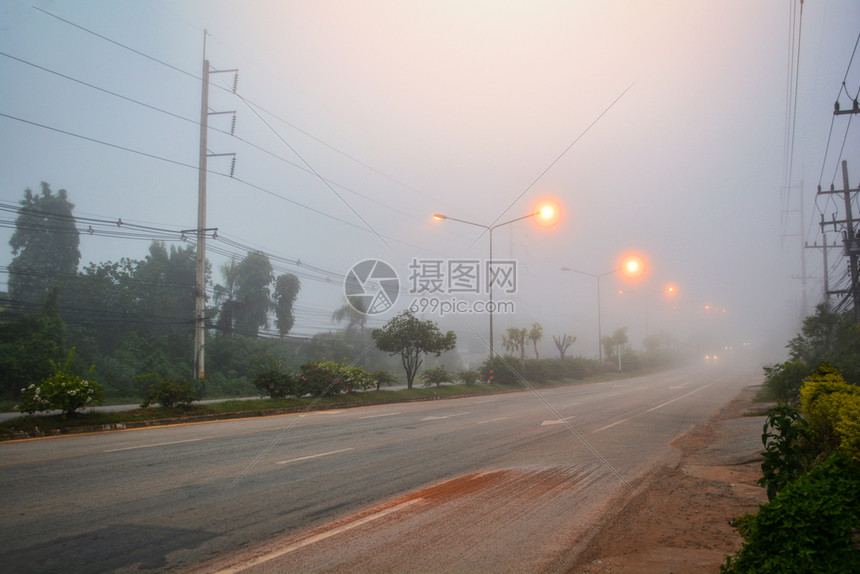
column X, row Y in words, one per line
column 535, row 335
column 225, row 296
column 356, row 319
column 515, row 342
column 254, row 275
column 45, row 244
column 409, row 337
column 613, row 345
column 287, row 288
column 563, row 343
column 28, row 345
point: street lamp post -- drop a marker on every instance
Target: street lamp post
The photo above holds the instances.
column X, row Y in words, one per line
column 631, row 266
column 599, row 327
column 545, row 212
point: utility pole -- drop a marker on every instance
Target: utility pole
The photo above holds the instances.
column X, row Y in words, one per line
column 200, row 275
column 824, row 249
column 800, row 221
column 850, row 241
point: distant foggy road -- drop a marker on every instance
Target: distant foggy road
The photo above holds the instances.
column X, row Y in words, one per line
column 486, row 483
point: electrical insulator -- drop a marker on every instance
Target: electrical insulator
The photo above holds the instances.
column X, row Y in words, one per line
column 233, row 126
column 235, row 81
column 232, row 166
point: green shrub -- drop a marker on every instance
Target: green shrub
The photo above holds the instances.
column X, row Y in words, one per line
column 436, row 376
column 808, row 527
column 383, row 378
column 469, row 376
column 327, row 378
column 505, row 371
column 832, row 407
column 275, row 383
column 789, row 451
column 61, row 391
column 170, row 393
column 782, row 381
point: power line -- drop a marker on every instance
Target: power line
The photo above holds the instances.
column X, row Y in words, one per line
column 248, row 102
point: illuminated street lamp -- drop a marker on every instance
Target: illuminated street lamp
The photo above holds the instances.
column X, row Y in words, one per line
column 632, row 267
column 547, row 213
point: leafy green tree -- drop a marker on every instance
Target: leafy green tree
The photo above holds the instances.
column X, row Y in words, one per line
column 410, row 338
column 45, row 245
column 514, row 341
column 535, row 335
column 287, row 288
column 225, row 296
column 254, row 276
column 28, row 346
column 356, row 319
column 614, row 344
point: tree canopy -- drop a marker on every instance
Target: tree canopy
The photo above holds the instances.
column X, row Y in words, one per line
column 411, row 338
column 45, row 244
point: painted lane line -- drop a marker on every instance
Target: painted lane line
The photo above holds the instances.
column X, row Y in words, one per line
column 491, row 421
column 435, row 418
column 152, row 445
column 316, row 538
column 313, row 456
column 379, row 416
column 653, row 408
column 557, row 421
column 681, row 386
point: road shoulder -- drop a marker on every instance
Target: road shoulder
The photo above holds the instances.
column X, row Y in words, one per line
column 677, row 520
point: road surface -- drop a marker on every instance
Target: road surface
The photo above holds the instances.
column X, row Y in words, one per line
column 495, row 483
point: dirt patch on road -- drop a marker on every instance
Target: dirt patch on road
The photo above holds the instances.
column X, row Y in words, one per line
column 677, row 520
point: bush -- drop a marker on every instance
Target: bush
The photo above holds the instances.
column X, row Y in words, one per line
column 327, row 378
column 383, row 377
column 436, row 376
column 170, row 393
column 469, row 376
column 832, row 407
column 275, row 383
column 789, row 450
column 782, row 381
column 505, row 371
column 808, row 526
column 61, row 391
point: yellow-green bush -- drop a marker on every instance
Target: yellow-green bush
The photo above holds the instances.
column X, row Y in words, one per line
column 832, row 407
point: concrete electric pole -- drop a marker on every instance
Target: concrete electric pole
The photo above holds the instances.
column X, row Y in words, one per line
column 200, row 276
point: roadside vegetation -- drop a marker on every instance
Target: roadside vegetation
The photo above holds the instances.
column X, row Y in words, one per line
column 811, row 465
column 121, row 332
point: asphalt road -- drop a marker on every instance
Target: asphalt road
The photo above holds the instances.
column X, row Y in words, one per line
column 496, row 483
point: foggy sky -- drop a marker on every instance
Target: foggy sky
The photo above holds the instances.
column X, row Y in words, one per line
column 413, row 108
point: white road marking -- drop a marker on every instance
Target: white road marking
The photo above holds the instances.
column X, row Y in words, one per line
column 491, row 420
column 152, row 445
column 378, row 416
column 653, row 408
column 314, row 456
column 316, row 538
column 435, row 418
column 681, row 386
column 557, row 421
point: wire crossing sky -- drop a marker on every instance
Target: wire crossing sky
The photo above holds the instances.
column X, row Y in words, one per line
column 364, row 118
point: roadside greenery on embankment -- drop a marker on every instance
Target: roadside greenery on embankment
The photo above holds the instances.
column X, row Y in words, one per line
column 811, row 465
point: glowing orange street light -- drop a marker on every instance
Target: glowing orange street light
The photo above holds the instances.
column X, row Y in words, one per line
column 546, row 213
column 632, row 266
